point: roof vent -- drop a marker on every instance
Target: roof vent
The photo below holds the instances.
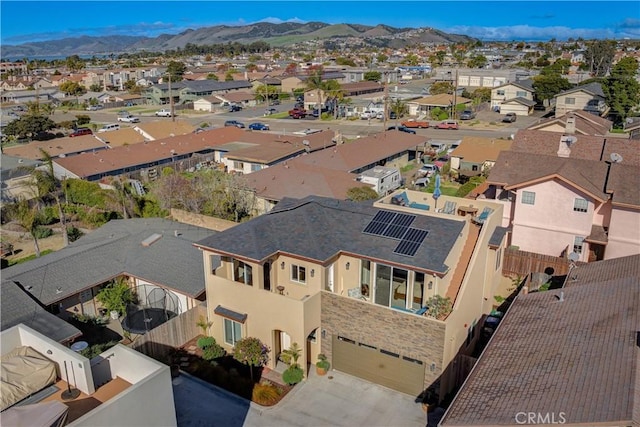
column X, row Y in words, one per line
column 58, row 290
column 151, row 239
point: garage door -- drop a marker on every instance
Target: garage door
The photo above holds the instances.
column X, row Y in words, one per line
column 378, row 366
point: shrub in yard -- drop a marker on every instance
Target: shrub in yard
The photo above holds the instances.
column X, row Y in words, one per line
column 213, row 351
column 266, row 394
column 292, row 375
column 74, row 233
column 42, row 232
column 205, row 342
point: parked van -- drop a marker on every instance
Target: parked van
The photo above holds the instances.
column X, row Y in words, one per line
column 109, row 127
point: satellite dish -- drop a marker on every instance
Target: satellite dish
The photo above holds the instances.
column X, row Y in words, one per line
column 573, row 257
column 570, row 139
column 305, row 142
column 616, row 158
column 629, row 120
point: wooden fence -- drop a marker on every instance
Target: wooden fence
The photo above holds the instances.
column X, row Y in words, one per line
column 521, row 263
column 158, row 342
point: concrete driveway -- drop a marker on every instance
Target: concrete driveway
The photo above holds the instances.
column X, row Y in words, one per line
column 336, row 399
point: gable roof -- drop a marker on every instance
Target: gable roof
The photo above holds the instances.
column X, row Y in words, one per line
column 478, row 149
column 440, row 100
column 520, row 100
column 585, row 123
column 593, row 88
column 20, row 306
column 116, row 249
column 326, row 227
column 577, row 356
column 526, row 84
column 601, row 271
column 585, row 147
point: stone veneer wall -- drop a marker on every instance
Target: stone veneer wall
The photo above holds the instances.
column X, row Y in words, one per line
column 418, row 337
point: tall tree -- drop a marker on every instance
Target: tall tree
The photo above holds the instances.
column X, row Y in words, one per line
column 621, row 89
column 175, row 70
column 549, row 85
column 315, row 83
column 26, row 214
column 599, row 56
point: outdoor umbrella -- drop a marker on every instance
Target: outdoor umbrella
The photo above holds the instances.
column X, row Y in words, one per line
column 436, row 191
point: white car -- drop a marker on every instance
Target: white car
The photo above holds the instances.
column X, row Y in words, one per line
column 163, row 113
column 129, row 119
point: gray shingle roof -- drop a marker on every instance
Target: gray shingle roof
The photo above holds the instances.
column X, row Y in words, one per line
column 577, row 356
column 497, row 236
column 206, row 85
column 113, row 249
column 593, row 88
column 319, row 228
column 19, row 307
column 600, row 271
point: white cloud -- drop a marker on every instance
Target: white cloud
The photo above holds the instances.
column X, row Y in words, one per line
column 526, row 32
column 273, row 20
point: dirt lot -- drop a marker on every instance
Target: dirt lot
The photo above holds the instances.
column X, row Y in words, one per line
column 23, row 243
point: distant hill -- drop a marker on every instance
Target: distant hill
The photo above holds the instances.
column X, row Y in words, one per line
column 275, row 34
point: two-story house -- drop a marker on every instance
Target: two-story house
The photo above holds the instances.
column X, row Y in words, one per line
column 514, row 97
column 589, row 98
column 582, row 199
column 356, row 282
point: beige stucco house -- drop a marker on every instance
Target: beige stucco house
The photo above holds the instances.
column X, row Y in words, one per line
column 514, row 97
column 589, row 98
column 353, row 281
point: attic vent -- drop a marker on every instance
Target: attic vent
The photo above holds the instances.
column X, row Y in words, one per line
column 151, row 239
column 569, row 139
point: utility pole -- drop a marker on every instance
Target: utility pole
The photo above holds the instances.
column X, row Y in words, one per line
column 455, row 94
column 173, row 116
column 386, row 99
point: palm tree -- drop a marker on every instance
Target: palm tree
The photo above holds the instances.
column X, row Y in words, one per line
column 334, row 92
column 399, row 107
column 48, row 184
column 314, row 82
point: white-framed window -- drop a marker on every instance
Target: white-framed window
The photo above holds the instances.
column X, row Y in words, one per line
column 578, row 243
column 500, row 92
column 298, row 274
column 242, row 273
column 521, row 93
column 238, row 165
column 528, row 197
column 232, row 331
column 570, row 101
column 580, row 205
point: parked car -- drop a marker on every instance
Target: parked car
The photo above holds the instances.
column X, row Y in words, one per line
column 368, row 115
column 427, row 170
column 467, row 115
column 540, row 107
column 234, row 123
column 80, row 132
column 422, row 182
column 109, row 128
column 270, row 111
column 402, row 129
column 129, row 119
column 447, row 124
column 163, row 113
column 234, row 108
column 393, row 115
column 94, row 107
column 258, row 126
column 275, row 102
column 509, row 118
column 415, row 124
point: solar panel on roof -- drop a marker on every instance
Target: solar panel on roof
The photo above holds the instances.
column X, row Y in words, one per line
column 379, row 222
column 411, row 242
column 384, row 216
column 395, row 231
column 403, row 219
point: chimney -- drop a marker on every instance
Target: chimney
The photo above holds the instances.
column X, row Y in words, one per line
column 564, row 148
column 570, row 126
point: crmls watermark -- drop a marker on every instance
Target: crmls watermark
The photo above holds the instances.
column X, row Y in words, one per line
column 532, row 418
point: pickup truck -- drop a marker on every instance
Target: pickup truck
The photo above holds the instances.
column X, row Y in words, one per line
column 163, row 113
column 298, row 113
column 415, row 124
column 447, row 124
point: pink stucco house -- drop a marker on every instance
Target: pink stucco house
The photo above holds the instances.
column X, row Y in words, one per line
column 567, row 193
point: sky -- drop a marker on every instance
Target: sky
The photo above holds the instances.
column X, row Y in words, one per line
column 24, row 21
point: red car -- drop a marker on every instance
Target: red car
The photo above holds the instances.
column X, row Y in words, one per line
column 415, row 124
column 81, row 131
column 447, row 124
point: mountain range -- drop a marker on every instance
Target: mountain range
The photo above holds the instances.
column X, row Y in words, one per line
column 277, row 35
